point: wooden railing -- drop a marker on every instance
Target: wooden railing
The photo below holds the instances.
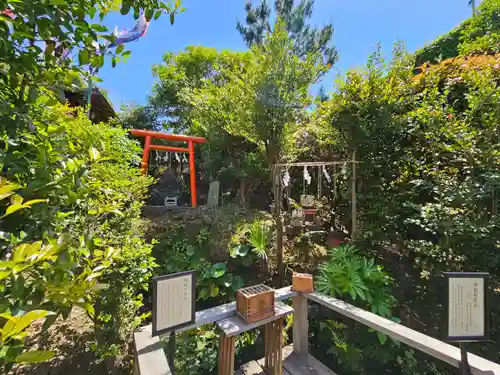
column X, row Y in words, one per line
column 151, row 360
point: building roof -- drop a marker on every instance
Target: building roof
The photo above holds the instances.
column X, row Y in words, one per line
column 100, row 109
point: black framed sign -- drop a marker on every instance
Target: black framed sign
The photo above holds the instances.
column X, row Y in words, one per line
column 467, row 306
column 174, row 300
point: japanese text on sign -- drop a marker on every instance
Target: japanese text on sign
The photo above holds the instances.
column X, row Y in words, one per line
column 174, row 301
column 466, row 307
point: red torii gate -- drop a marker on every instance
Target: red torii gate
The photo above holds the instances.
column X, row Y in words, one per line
column 149, row 135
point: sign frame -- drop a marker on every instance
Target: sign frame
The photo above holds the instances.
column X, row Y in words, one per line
column 154, row 312
column 468, row 275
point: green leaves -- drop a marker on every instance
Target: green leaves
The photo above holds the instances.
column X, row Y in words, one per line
column 120, row 49
column 381, row 337
column 239, row 251
column 347, row 274
column 157, row 14
column 218, row 270
column 83, row 57
column 17, row 324
column 35, row 356
column 125, row 7
column 306, row 38
column 18, row 204
column 7, row 189
column 259, row 237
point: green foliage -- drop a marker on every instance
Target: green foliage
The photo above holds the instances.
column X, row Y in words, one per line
column 179, row 75
column 26, row 68
column 259, row 238
column 428, row 182
column 444, row 47
column 349, row 275
column 197, row 351
column 306, row 39
column 356, row 279
column 175, row 252
column 90, row 193
column 482, row 34
column 12, row 273
column 264, row 101
column 478, row 35
column 236, row 162
column 12, row 334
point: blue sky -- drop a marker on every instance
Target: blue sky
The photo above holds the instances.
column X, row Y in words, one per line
column 359, row 25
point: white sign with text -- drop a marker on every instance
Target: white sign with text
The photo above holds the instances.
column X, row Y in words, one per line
column 174, row 301
column 466, row 307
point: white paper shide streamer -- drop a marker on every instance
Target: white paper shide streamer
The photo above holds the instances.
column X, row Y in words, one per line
column 286, row 178
column 307, row 176
column 327, row 176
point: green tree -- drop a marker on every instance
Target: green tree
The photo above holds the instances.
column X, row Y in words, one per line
column 306, row 39
column 182, row 74
column 428, row 176
column 267, row 100
column 233, row 160
column 33, row 36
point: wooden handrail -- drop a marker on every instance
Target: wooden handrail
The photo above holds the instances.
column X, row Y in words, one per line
column 227, row 310
column 429, row 345
column 151, row 358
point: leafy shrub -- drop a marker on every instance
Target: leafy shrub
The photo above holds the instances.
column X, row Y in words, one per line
column 175, row 252
column 355, row 278
column 428, row 182
column 349, row 275
column 479, row 34
column 89, row 177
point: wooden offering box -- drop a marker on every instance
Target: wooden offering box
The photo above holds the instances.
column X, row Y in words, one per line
column 302, row 282
column 255, row 303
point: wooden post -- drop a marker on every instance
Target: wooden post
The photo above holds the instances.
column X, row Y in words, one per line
column 171, row 351
column 279, row 222
column 300, row 327
column 226, row 355
column 145, row 155
column 320, row 181
column 353, row 197
column 192, row 174
column 273, row 361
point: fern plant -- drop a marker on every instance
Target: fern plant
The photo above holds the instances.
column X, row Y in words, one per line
column 349, row 275
column 353, row 277
column 259, row 238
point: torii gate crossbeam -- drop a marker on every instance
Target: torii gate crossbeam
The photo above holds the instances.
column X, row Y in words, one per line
column 148, row 146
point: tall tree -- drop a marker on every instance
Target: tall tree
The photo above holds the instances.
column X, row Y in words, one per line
column 264, row 102
column 306, row 39
column 233, row 160
column 29, row 69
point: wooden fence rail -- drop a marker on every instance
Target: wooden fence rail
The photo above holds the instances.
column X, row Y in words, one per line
column 151, row 360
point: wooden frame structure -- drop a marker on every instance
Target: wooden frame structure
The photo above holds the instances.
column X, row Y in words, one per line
column 278, row 195
column 151, row 359
column 148, row 146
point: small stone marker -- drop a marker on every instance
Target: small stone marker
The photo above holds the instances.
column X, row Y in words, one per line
column 213, row 194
